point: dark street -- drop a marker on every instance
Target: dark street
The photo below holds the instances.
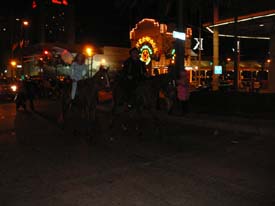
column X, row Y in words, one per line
column 43, row 163
column 142, row 102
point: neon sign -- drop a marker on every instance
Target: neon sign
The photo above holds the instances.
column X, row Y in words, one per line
column 147, row 40
column 60, row 2
column 146, row 53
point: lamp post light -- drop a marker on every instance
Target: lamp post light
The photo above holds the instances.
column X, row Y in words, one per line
column 24, row 25
column 13, row 64
column 89, row 52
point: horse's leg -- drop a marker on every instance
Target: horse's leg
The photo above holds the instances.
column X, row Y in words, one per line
column 63, row 110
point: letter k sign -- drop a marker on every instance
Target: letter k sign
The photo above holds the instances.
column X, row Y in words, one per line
column 199, row 44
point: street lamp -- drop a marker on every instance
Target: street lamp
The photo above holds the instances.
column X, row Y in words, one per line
column 13, row 64
column 23, row 41
column 25, row 23
column 89, row 53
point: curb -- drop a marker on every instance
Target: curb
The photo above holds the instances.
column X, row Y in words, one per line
column 225, row 125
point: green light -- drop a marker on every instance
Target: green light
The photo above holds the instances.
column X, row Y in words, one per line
column 173, row 51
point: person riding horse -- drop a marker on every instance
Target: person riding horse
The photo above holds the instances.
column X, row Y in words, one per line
column 133, row 72
column 79, row 70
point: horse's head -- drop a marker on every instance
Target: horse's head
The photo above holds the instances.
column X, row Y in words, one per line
column 102, row 79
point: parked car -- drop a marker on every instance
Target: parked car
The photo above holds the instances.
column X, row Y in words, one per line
column 8, row 88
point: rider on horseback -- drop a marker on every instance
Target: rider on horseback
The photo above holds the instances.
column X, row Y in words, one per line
column 133, row 72
column 79, row 70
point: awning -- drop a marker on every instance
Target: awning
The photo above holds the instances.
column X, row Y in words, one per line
column 254, row 26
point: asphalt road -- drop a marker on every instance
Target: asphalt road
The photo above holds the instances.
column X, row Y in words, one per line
column 42, row 163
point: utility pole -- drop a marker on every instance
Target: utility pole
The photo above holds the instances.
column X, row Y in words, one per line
column 199, row 66
column 215, row 77
column 180, row 49
column 236, row 55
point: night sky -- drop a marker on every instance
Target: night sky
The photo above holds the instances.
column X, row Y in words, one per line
column 105, row 24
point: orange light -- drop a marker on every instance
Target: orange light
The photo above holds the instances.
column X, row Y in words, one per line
column 13, row 63
column 188, row 32
column 89, row 51
column 25, row 23
column 46, row 52
column 41, row 59
column 268, row 61
column 228, row 59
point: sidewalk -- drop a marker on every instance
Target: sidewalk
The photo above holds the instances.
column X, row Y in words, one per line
column 50, row 110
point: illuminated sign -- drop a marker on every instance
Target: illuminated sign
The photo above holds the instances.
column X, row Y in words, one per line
column 218, row 69
column 188, row 32
column 199, row 44
column 179, row 35
column 146, row 40
column 61, row 2
column 146, row 53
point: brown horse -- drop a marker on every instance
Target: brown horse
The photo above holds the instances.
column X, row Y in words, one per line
column 87, row 95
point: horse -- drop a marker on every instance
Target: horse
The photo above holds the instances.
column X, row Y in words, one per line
column 87, row 95
column 146, row 93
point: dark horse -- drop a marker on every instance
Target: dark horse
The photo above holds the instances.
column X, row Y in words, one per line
column 147, row 93
column 87, row 94
column 146, row 98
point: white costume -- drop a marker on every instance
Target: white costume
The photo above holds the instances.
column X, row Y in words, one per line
column 78, row 72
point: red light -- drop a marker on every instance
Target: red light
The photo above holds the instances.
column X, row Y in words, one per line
column 56, row 2
column 34, row 5
column 46, row 52
column 64, row 2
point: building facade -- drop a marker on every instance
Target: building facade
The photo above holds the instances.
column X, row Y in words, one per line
column 157, row 44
